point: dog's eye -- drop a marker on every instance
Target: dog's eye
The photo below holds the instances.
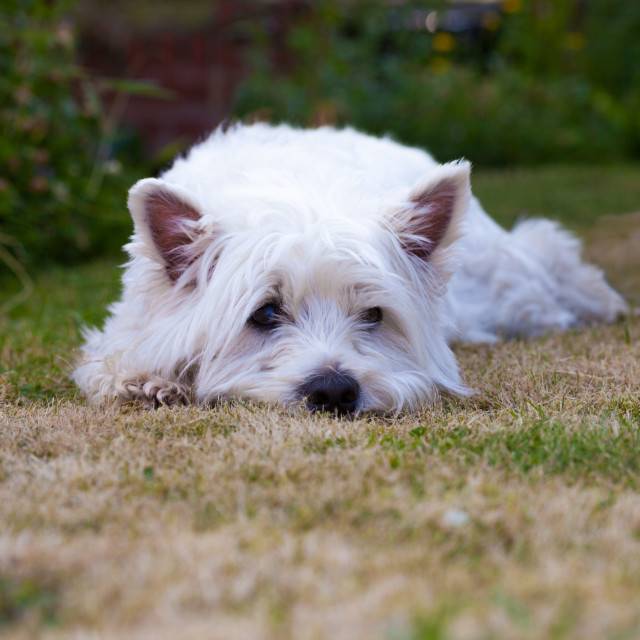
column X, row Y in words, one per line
column 372, row 316
column 267, row 316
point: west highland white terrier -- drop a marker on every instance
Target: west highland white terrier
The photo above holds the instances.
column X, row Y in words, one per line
column 324, row 268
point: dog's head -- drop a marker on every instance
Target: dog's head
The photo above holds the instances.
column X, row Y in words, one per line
column 274, row 294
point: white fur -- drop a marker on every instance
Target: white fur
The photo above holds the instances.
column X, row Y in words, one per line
column 311, row 217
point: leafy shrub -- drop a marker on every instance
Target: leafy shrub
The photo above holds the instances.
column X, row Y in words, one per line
column 531, row 89
column 61, row 194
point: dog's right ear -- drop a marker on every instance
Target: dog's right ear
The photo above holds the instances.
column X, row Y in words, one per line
column 165, row 217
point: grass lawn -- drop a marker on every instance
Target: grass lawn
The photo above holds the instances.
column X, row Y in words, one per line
column 515, row 514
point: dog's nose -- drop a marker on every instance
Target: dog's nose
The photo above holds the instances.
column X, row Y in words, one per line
column 333, row 391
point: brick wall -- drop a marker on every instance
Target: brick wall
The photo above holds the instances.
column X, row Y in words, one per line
column 201, row 66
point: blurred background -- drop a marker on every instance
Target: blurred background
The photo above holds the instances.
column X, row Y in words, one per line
column 94, row 95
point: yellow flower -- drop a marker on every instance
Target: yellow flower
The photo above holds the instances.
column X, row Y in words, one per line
column 491, row 21
column 443, row 42
column 512, row 6
column 574, row 41
column 440, row 66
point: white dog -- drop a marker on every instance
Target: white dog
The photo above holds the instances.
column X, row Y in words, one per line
column 323, row 267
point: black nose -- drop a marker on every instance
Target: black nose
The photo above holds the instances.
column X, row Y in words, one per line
column 331, row 390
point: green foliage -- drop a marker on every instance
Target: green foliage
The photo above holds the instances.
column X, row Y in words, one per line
column 533, row 87
column 61, row 193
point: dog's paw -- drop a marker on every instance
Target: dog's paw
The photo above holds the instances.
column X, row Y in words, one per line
column 154, row 392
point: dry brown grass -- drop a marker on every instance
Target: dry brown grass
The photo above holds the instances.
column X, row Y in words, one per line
column 515, row 514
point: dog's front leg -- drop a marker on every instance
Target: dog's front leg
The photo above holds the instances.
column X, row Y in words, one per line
column 153, row 391
column 106, row 377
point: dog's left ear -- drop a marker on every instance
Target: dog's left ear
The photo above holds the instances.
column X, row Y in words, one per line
column 430, row 220
column 164, row 216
